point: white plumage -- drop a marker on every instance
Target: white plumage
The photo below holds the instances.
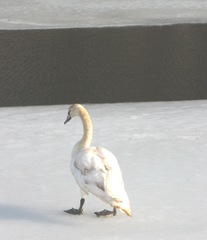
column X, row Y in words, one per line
column 96, row 170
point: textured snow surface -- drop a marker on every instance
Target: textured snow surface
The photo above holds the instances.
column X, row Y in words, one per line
column 162, row 151
column 93, row 13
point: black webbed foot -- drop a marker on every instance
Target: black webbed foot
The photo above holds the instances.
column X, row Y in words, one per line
column 74, row 211
column 106, row 213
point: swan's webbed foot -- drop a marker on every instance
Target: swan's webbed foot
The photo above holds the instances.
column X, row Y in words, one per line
column 106, row 213
column 74, row 211
column 77, row 211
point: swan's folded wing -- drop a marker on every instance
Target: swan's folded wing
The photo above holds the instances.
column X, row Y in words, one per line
column 99, row 161
column 88, row 160
column 109, row 160
column 97, row 171
column 90, row 173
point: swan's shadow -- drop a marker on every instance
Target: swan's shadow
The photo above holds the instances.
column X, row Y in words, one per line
column 12, row 212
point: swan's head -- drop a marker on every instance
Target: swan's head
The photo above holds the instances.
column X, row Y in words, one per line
column 73, row 111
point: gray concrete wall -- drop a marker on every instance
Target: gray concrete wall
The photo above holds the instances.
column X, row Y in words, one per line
column 98, row 65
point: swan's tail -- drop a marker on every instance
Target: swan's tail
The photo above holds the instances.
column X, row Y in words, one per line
column 123, row 205
column 126, row 211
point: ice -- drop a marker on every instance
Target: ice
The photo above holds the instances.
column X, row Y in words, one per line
column 161, row 148
column 93, row 13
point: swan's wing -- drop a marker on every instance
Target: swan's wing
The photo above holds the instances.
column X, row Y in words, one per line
column 98, row 159
column 89, row 171
column 109, row 162
column 114, row 181
column 96, row 170
column 89, row 160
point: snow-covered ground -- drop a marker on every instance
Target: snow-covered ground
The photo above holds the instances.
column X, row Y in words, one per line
column 162, row 151
column 94, row 13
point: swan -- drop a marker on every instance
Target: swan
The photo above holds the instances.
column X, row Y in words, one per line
column 96, row 170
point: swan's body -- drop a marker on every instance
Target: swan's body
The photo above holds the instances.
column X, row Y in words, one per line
column 96, row 170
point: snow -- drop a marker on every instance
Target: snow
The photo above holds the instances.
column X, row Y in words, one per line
column 161, row 148
column 92, row 13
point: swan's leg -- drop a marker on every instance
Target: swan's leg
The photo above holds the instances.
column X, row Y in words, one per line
column 106, row 213
column 78, row 211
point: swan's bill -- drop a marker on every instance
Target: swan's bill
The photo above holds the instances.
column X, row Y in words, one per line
column 68, row 119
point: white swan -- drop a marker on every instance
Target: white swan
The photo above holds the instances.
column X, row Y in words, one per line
column 96, row 170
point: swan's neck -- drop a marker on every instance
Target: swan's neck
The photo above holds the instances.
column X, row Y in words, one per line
column 87, row 131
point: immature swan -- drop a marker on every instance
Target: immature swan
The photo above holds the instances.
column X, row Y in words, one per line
column 96, row 170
